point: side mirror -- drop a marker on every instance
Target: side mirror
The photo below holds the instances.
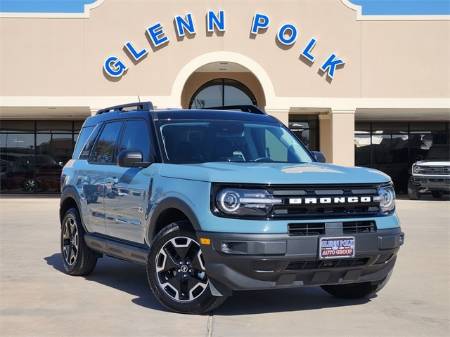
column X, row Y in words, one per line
column 131, row 159
column 319, row 157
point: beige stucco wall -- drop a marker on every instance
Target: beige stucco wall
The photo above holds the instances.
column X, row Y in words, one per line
column 64, row 57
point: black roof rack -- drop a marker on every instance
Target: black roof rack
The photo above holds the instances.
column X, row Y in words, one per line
column 139, row 106
column 244, row 108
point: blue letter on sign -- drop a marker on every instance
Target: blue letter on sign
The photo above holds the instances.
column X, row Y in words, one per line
column 307, row 51
column 136, row 55
column 156, row 35
column 330, row 65
column 287, row 34
column 114, row 67
column 260, row 21
column 213, row 21
column 184, row 25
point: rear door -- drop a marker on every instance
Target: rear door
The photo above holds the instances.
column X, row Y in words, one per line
column 126, row 204
column 95, row 185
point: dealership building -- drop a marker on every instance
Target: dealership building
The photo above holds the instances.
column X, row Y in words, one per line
column 365, row 82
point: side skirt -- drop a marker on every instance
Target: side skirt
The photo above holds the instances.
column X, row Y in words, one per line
column 117, row 249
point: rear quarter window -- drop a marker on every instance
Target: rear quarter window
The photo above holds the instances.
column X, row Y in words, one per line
column 82, row 140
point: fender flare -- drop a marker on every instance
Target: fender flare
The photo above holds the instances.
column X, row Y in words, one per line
column 171, row 202
column 72, row 193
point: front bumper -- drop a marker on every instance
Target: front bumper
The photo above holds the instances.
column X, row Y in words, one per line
column 268, row 261
column 432, row 183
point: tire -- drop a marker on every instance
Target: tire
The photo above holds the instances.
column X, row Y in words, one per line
column 30, row 185
column 176, row 272
column 413, row 193
column 78, row 258
column 356, row 290
column 436, row 194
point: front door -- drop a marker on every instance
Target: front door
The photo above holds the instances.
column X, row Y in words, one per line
column 128, row 189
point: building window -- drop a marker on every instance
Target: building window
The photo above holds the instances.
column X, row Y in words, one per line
column 222, row 92
column 306, row 128
column 392, row 147
column 32, row 154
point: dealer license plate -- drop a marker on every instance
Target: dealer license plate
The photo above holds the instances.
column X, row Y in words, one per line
column 337, row 247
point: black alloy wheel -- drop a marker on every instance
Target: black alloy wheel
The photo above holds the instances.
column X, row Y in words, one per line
column 176, row 272
column 78, row 258
column 180, row 269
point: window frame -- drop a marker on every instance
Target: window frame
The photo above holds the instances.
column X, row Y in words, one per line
column 97, row 137
column 151, row 147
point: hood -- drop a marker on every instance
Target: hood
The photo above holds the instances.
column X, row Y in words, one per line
column 274, row 173
column 433, row 163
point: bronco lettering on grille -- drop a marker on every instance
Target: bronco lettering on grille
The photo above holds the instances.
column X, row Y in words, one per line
column 334, row 200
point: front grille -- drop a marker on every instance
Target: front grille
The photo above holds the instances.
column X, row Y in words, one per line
column 353, row 227
column 434, row 170
column 306, row 229
column 324, row 264
column 343, row 208
column 319, row 228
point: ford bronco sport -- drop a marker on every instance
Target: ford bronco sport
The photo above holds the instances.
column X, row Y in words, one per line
column 213, row 201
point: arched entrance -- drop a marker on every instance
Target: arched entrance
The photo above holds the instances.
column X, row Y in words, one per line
column 222, row 92
column 220, row 84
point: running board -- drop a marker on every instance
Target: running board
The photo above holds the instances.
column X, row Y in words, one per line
column 117, row 249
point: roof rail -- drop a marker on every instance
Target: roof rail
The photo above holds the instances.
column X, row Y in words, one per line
column 244, row 108
column 139, row 106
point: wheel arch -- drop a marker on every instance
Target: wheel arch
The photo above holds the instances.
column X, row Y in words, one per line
column 168, row 211
column 69, row 199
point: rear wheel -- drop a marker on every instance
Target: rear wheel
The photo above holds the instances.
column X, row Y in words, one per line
column 176, row 272
column 78, row 258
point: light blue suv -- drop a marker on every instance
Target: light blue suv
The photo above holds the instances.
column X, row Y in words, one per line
column 212, row 201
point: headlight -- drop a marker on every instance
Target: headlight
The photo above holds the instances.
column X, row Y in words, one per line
column 245, row 202
column 386, row 196
column 416, row 169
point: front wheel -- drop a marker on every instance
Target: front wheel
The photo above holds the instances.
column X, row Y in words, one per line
column 413, row 193
column 176, row 272
column 356, row 290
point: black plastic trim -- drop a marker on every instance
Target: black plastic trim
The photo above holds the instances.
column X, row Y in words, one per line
column 116, row 248
column 168, row 203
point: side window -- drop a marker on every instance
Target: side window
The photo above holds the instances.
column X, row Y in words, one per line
column 89, row 144
column 82, row 140
column 104, row 149
column 136, row 137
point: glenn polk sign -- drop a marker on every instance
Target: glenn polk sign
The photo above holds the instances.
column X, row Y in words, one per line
column 287, row 34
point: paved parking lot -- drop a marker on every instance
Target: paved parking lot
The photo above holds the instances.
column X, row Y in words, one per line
column 38, row 299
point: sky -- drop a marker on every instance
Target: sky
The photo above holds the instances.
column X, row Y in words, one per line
column 369, row 7
column 404, row 7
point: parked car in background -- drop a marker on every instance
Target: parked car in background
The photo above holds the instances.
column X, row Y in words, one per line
column 432, row 174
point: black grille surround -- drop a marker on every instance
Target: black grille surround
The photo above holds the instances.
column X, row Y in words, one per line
column 288, row 211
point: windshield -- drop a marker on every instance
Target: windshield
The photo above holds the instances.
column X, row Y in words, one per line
column 229, row 141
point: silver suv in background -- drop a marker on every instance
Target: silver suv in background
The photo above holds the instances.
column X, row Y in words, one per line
column 432, row 174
